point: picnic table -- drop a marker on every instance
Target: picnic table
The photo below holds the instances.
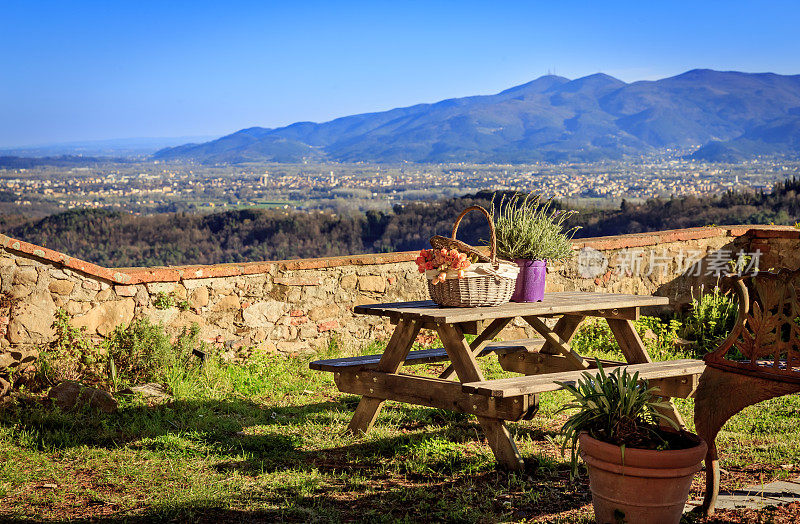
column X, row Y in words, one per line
column 545, row 362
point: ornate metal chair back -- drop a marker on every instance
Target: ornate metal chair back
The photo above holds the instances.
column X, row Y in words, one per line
column 765, row 341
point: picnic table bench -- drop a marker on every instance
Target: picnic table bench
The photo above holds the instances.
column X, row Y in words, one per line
column 545, row 362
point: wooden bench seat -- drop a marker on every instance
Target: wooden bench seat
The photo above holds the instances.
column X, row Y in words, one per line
column 507, row 399
column 424, row 356
column 676, row 378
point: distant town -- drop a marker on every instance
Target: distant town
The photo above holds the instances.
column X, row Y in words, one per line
column 153, row 186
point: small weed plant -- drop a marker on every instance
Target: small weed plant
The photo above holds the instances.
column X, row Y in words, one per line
column 163, row 300
column 168, row 300
column 71, row 356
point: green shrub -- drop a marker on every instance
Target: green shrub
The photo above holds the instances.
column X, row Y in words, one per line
column 71, row 355
column 142, row 351
column 710, row 320
column 163, row 300
column 594, row 338
column 133, row 354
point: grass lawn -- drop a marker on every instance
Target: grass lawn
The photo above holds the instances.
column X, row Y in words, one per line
column 264, row 441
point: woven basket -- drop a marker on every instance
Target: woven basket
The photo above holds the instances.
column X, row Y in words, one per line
column 474, row 291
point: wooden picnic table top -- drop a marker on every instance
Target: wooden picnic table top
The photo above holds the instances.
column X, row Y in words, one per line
column 553, row 304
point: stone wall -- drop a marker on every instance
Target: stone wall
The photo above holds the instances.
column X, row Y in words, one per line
column 296, row 307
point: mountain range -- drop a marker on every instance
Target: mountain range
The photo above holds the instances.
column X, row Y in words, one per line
column 712, row 115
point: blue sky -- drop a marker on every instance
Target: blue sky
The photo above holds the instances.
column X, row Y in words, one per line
column 83, row 70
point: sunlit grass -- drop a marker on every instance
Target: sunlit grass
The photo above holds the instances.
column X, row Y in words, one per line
column 265, row 440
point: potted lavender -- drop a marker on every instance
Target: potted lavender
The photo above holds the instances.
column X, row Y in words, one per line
column 531, row 233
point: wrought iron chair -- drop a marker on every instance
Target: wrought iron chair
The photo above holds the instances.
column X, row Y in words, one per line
column 759, row 360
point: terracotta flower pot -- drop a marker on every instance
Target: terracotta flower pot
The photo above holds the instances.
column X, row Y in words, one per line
column 651, row 487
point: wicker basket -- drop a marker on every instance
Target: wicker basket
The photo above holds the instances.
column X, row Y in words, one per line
column 489, row 289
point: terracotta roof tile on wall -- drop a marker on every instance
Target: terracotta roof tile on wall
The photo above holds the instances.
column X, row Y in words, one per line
column 176, row 273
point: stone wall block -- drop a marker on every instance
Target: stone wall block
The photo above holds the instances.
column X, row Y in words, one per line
column 304, row 280
column 348, row 282
column 199, row 297
column 32, row 320
column 58, row 274
column 264, row 313
column 103, row 318
column 7, row 278
column 18, row 292
column 154, row 288
column 327, row 326
column 142, row 298
column 227, row 303
column 125, row 291
column 23, row 261
column 26, row 276
column 372, row 283
column 61, row 287
column 92, row 285
column 325, row 312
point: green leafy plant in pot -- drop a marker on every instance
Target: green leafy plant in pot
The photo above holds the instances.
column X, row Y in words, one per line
column 639, row 471
column 531, row 233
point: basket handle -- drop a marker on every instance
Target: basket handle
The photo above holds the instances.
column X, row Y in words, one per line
column 492, row 236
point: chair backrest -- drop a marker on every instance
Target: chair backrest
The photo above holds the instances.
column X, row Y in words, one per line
column 765, row 340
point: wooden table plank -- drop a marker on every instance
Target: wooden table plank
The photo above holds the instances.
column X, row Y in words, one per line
column 553, row 304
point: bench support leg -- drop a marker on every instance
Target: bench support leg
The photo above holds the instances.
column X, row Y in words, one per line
column 368, row 408
column 720, row 395
column 465, row 365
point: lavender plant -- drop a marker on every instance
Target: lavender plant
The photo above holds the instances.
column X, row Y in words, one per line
column 531, row 229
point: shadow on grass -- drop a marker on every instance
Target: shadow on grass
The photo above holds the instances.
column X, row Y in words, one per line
column 211, row 422
column 216, row 422
column 425, row 474
column 480, row 497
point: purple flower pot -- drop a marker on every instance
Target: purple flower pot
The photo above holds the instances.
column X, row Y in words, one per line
column 530, row 281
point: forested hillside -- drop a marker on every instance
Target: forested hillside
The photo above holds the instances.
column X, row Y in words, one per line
column 118, row 239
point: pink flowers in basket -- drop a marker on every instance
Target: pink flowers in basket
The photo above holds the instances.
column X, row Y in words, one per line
column 443, row 261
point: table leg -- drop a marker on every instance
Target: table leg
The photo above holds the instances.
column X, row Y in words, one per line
column 402, row 339
column 635, row 353
column 497, row 434
column 477, row 345
column 554, row 341
column 565, row 328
